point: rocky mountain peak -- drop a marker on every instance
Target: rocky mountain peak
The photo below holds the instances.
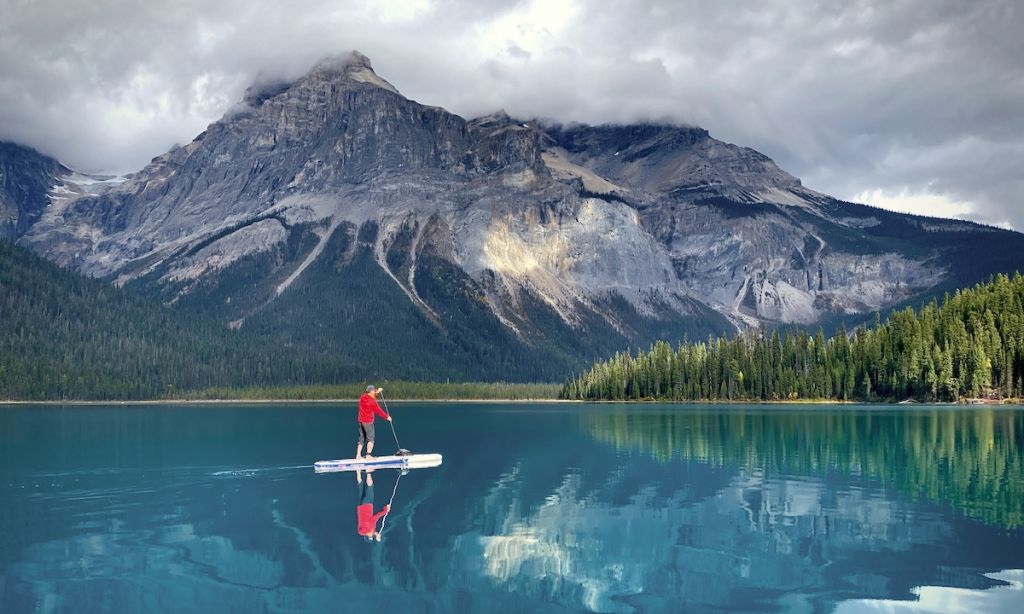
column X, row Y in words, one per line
column 343, row 68
column 352, row 66
column 496, row 228
column 501, row 120
column 497, row 118
column 358, row 61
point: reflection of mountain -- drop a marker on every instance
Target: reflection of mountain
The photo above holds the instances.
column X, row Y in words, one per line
column 969, row 459
column 743, row 548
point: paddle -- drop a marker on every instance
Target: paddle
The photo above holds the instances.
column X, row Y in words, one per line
column 401, row 451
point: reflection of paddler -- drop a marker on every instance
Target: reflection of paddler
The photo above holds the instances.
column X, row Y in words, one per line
column 366, row 520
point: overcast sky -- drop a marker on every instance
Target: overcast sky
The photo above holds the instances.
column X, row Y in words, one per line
column 915, row 105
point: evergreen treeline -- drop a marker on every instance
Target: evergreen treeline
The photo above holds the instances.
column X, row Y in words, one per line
column 394, row 390
column 971, row 346
column 65, row 336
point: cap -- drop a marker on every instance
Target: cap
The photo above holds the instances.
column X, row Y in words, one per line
column 371, row 388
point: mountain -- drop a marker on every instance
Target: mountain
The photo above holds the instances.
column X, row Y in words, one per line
column 338, row 214
column 26, row 180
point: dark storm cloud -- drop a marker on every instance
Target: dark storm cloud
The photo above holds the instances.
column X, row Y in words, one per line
column 916, row 103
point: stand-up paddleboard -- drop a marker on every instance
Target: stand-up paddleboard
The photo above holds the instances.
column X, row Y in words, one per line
column 412, row 461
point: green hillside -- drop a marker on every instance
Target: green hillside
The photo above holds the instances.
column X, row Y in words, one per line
column 971, row 346
column 63, row 335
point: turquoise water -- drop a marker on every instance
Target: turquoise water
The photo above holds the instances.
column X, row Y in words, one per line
column 537, row 507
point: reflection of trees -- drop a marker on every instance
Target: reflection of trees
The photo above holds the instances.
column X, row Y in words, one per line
column 969, row 459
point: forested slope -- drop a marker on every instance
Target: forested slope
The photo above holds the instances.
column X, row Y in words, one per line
column 63, row 335
column 67, row 336
column 970, row 346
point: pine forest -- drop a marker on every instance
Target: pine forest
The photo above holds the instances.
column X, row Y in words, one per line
column 970, row 347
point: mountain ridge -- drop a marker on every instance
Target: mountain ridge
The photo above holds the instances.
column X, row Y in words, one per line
column 563, row 240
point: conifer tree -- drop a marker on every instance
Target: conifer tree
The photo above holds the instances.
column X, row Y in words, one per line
column 970, row 346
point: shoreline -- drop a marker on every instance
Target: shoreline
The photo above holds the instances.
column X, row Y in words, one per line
column 273, row 401
column 186, row 402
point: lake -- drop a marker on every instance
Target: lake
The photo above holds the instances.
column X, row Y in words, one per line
column 536, row 507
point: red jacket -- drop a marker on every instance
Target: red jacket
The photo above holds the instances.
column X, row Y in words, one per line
column 367, row 407
column 366, row 520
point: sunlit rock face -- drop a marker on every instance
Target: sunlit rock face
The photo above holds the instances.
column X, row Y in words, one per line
column 624, row 231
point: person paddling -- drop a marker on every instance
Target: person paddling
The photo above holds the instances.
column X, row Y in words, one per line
column 367, row 408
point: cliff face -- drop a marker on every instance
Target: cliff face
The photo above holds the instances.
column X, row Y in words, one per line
column 571, row 241
column 26, row 177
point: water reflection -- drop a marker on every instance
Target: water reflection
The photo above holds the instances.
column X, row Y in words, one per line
column 758, row 509
column 754, row 542
column 1005, row 598
column 240, row 539
column 366, row 520
column 970, row 459
column 607, row 509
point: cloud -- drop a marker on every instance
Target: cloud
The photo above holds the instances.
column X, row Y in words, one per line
column 902, row 102
column 934, row 205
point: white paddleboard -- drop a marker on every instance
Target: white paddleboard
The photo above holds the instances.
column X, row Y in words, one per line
column 413, row 461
